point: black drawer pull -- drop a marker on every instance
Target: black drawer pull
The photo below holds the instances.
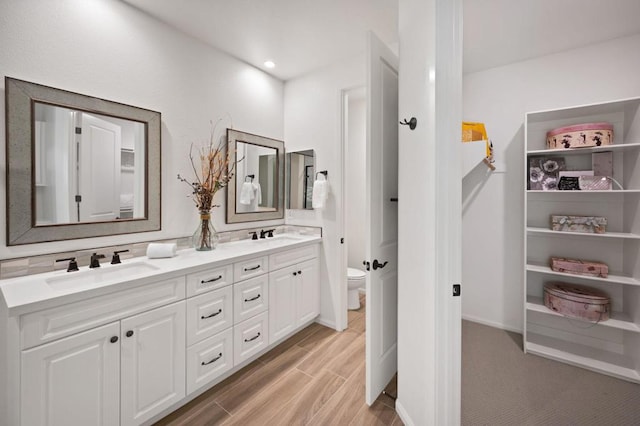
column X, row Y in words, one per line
column 212, row 315
column 114, row 339
column 211, row 280
column 129, row 333
column 252, row 269
column 213, row 360
column 253, row 298
column 253, row 338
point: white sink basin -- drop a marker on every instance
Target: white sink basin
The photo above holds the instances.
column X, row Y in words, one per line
column 99, row 275
column 278, row 239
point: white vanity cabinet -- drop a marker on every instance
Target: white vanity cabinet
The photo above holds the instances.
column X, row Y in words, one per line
column 294, row 292
column 130, row 355
column 122, row 373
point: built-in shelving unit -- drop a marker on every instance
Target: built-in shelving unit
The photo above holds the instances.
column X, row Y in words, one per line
column 613, row 346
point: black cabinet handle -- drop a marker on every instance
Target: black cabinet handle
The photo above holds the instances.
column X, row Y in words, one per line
column 252, row 269
column 253, row 298
column 212, row 315
column 299, row 272
column 253, row 338
column 295, row 273
column 219, row 277
column 378, row 265
column 114, row 339
column 129, row 333
column 213, row 360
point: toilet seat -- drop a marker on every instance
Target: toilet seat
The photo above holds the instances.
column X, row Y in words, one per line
column 355, row 274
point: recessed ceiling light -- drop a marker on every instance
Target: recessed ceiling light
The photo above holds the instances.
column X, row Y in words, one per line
column 269, row 64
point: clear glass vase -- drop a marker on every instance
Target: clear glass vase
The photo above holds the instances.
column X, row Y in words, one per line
column 205, row 237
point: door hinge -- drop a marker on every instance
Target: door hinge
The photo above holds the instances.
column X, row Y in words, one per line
column 341, row 240
column 78, row 130
column 78, row 198
column 367, row 265
column 456, row 289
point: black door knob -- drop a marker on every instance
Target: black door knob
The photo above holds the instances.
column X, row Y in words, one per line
column 114, row 339
column 129, row 333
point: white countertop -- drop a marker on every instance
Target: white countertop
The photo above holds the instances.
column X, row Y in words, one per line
column 33, row 292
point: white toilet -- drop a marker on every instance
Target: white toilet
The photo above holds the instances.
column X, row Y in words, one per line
column 355, row 281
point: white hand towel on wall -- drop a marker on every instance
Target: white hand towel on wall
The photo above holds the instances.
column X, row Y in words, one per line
column 320, row 192
column 258, row 191
column 246, row 193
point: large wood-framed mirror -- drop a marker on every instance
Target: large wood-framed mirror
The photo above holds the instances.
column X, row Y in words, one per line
column 78, row 166
column 256, row 190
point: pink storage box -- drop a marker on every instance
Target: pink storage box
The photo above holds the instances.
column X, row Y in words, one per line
column 579, row 267
column 580, row 136
column 577, row 301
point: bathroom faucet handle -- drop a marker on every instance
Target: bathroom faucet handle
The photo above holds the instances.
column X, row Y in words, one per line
column 270, row 231
column 116, row 256
column 73, row 265
column 95, row 260
column 255, row 235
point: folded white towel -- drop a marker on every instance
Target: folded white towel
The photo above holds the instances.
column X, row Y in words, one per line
column 246, row 193
column 126, row 200
column 159, row 250
column 258, row 191
column 320, row 192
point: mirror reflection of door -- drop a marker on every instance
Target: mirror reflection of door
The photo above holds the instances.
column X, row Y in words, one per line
column 87, row 167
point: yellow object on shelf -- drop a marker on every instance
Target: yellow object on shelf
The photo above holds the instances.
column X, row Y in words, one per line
column 473, row 132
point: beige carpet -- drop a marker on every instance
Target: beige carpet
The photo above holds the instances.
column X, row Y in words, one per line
column 503, row 386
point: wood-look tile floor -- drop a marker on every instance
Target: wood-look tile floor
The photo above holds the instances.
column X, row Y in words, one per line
column 316, row 377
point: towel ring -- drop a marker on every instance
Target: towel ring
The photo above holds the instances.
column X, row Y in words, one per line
column 250, row 177
column 324, row 172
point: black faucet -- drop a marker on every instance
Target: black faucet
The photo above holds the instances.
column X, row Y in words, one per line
column 263, row 233
column 73, row 265
column 95, row 262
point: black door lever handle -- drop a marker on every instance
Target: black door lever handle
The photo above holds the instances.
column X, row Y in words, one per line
column 378, row 265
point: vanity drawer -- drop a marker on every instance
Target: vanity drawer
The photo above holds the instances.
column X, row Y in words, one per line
column 209, row 359
column 250, row 337
column 250, row 268
column 210, row 279
column 291, row 257
column 209, row 313
column 51, row 324
column 250, row 297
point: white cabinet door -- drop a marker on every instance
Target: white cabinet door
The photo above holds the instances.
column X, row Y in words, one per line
column 307, row 291
column 74, row 380
column 153, row 362
column 282, row 303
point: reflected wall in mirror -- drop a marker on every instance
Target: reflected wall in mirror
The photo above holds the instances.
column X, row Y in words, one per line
column 255, row 192
column 300, row 175
column 78, row 166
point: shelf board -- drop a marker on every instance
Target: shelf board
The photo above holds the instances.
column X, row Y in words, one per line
column 577, row 151
column 598, row 360
column 614, row 279
column 611, row 191
column 625, row 235
column 617, row 320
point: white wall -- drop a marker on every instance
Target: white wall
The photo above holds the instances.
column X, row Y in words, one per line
column 108, row 49
column 493, row 204
column 355, row 206
column 312, row 119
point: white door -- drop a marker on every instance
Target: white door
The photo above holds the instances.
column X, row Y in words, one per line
column 73, row 381
column 282, row 303
column 307, row 292
column 382, row 218
column 153, row 362
column 99, row 170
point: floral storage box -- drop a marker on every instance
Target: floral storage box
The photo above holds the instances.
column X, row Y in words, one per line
column 579, row 267
column 587, row 224
column 543, row 173
column 577, row 301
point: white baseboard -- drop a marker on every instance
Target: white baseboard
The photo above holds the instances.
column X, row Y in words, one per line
column 491, row 323
column 330, row 324
column 402, row 413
